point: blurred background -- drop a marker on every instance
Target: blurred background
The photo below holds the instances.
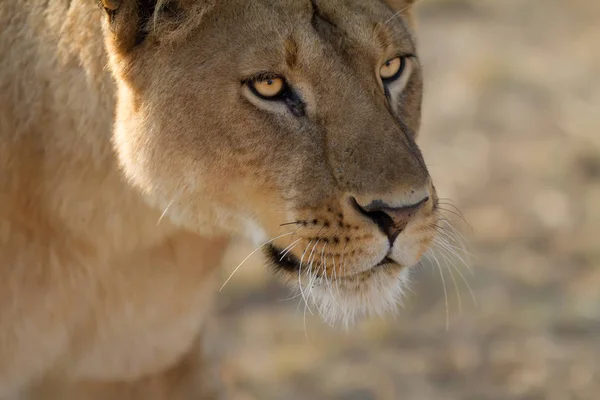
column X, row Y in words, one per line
column 511, row 134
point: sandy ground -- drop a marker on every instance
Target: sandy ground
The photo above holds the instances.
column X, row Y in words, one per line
column 511, row 134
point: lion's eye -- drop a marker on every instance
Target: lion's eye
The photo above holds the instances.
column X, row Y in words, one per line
column 268, row 88
column 392, row 69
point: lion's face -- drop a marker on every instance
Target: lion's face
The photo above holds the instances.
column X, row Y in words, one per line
column 293, row 121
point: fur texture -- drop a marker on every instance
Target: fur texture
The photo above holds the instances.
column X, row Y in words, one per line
column 132, row 147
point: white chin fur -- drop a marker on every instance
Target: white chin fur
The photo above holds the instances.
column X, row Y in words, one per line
column 346, row 301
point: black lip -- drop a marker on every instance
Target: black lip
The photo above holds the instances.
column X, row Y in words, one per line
column 386, row 260
column 291, row 263
column 287, row 262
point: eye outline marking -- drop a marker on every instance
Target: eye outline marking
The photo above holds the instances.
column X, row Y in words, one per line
column 396, row 74
column 403, row 63
column 271, row 81
column 250, row 83
column 395, row 84
column 287, row 96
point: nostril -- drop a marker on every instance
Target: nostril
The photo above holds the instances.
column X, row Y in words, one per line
column 386, row 224
column 390, row 220
column 381, row 219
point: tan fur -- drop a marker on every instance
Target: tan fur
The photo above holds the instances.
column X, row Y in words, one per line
column 127, row 163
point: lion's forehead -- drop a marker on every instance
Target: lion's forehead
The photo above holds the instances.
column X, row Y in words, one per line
column 358, row 31
column 352, row 18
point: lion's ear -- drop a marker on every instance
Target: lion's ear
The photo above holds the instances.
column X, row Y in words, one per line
column 131, row 22
column 127, row 21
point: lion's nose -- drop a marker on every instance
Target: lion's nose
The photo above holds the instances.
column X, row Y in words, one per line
column 391, row 219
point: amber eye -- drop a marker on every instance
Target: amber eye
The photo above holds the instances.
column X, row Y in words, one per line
column 268, row 88
column 392, row 69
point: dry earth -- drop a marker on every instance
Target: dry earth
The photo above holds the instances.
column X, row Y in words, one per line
column 512, row 135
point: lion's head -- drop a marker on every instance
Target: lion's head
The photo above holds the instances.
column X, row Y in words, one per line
column 288, row 120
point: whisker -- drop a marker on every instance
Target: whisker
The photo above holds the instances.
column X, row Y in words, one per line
column 458, row 215
column 250, row 255
column 446, row 199
column 448, row 263
column 445, row 291
column 456, row 248
column 466, row 282
column 444, row 234
column 311, row 255
column 455, row 214
column 310, row 288
column 343, row 258
column 324, row 261
column 290, row 223
column 311, row 278
column 401, row 11
column 290, row 298
column 335, row 278
column 300, row 301
column 322, row 276
column 453, row 206
column 300, row 278
column 164, row 213
column 289, row 248
column 456, row 235
column 467, row 285
column 459, row 239
column 327, row 282
column 451, row 250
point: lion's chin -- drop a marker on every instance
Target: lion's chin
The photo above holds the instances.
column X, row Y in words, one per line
column 343, row 301
column 346, row 301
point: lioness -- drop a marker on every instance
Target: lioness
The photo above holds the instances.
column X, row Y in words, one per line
column 137, row 136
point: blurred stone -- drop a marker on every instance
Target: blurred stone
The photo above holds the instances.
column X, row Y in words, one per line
column 553, row 209
column 465, row 357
